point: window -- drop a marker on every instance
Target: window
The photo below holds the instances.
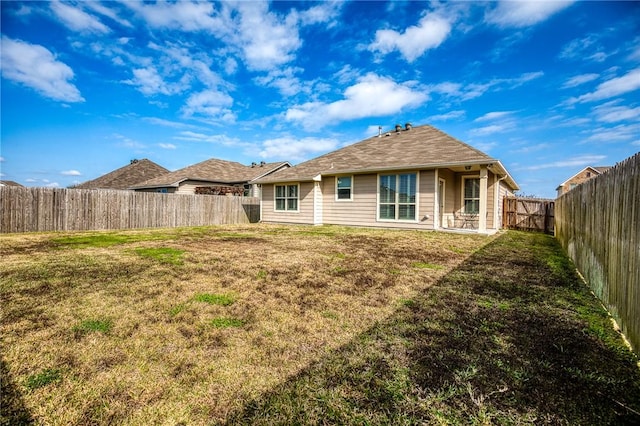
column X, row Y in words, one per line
column 344, row 187
column 397, row 197
column 286, row 197
column 471, row 195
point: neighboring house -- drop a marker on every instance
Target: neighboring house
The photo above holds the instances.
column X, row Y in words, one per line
column 580, row 177
column 412, row 177
column 10, row 183
column 212, row 173
column 135, row 172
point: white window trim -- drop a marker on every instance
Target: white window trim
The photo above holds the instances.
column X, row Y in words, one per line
column 464, row 179
column 286, row 198
column 417, row 203
column 350, row 192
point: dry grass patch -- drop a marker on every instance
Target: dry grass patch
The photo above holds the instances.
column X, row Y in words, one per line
column 199, row 319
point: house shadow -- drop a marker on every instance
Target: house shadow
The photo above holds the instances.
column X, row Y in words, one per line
column 12, row 409
column 502, row 338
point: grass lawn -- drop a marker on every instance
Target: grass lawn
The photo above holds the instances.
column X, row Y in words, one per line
column 261, row 324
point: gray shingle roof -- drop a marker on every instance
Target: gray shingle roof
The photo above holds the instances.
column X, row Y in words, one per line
column 124, row 177
column 420, row 147
column 10, row 183
column 212, row 170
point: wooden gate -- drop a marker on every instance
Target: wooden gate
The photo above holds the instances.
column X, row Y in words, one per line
column 528, row 214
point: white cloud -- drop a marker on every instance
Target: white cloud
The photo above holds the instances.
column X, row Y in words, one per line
column 215, row 139
column 52, row 185
column 531, row 148
column 519, row 14
column 491, row 129
column 109, row 13
column 230, row 66
column 474, row 90
column 614, row 87
column 485, row 146
column 296, row 149
column 267, row 41
column 430, row 32
column 285, row 81
column 371, row 96
column 2, row 160
column 587, row 48
column 451, row 115
column 36, row 67
column 166, row 123
column 210, row 104
column 495, row 115
column 579, row 80
column 620, row 133
column 127, row 142
column 78, row 20
column 71, row 173
column 611, row 113
column 579, row 161
column 149, row 82
column 167, row 146
column 324, row 12
column 184, row 15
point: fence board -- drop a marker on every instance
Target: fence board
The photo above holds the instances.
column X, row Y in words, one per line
column 57, row 209
column 598, row 224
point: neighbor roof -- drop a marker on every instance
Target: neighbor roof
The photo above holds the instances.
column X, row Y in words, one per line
column 598, row 169
column 418, row 148
column 212, row 170
column 124, row 177
column 9, row 183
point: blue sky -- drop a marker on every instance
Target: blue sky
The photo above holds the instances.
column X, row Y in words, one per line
column 546, row 87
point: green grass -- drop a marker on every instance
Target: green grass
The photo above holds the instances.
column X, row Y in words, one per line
column 44, row 378
column 162, row 254
column 225, row 322
column 215, row 299
column 424, row 265
column 175, row 310
column 93, row 325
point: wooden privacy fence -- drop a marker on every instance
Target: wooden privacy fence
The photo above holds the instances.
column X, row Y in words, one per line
column 598, row 224
column 55, row 209
column 528, row 214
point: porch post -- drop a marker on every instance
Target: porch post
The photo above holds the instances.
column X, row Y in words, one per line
column 482, row 214
column 317, row 200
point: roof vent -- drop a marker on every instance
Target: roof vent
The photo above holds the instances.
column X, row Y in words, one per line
column 398, row 128
column 379, row 131
column 134, row 161
column 253, row 164
column 262, row 163
column 407, row 126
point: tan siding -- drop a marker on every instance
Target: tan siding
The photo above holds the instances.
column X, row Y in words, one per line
column 362, row 210
column 305, row 206
column 451, row 188
column 359, row 211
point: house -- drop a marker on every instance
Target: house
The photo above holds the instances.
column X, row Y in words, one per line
column 580, row 177
column 411, row 177
column 220, row 175
column 135, row 172
column 10, row 183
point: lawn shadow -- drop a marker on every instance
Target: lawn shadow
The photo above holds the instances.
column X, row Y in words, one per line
column 12, row 408
column 511, row 336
